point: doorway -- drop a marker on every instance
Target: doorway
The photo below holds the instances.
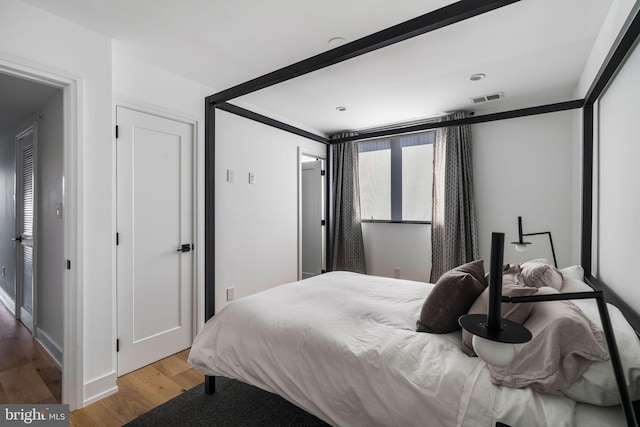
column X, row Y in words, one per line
column 32, row 235
column 312, row 222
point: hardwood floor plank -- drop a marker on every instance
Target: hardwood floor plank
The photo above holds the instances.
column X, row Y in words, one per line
column 139, row 392
column 171, row 366
column 24, row 385
column 189, row 379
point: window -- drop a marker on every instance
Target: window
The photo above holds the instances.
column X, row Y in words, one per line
column 396, row 176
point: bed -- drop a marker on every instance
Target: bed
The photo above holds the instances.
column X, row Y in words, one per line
column 344, row 347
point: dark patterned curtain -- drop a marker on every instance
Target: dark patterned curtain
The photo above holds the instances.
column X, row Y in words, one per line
column 348, row 247
column 454, row 230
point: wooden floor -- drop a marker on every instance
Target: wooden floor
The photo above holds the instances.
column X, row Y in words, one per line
column 27, row 372
column 29, row 375
column 141, row 391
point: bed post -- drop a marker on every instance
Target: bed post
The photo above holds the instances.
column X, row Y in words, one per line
column 209, row 224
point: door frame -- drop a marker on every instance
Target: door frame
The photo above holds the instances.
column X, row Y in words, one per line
column 197, row 293
column 19, row 277
column 323, row 157
column 72, row 93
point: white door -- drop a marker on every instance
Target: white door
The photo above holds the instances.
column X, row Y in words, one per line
column 312, row 224
column 155, row 237
column 25, row 226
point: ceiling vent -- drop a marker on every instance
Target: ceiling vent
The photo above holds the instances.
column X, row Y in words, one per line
column 487, row 98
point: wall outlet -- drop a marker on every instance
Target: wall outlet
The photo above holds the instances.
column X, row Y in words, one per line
column 396, row 273
column 231, row 293
column 231, row 175
column 252, row 178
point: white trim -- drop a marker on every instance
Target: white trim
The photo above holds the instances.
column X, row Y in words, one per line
column 52, row 347
column 100, row 388
column 323, row 158
column 72, row 370
column 7, row 301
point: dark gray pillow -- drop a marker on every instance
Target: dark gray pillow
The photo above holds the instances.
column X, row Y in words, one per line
column 452, row 296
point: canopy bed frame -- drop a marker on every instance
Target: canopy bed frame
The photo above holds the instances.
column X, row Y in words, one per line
column 445, row 16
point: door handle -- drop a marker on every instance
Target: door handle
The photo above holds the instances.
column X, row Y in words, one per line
column 17, row 239
column 184, row 248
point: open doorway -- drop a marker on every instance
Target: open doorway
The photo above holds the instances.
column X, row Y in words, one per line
column 312, row 223
column 31, row 239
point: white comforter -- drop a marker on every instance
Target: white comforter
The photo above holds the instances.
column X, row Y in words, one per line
column 343, row 346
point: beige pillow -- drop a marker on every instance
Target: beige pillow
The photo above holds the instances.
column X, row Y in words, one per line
column 539, row 273
column 512, row 286
column 451, row 297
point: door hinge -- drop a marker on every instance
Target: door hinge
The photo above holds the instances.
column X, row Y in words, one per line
column 118, row 345
column 117, row 239
column 323, row 222
column 323, row 173
column 117, row 131
column 68, row 264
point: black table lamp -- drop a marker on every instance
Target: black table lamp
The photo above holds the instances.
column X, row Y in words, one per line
column 521, row 245
column 493, row 336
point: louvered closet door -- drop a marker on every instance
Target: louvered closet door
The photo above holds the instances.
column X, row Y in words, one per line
column 25, row 227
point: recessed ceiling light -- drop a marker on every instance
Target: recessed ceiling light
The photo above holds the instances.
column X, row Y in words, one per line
column 476, row 77
column 341, row 108
column 336, row 41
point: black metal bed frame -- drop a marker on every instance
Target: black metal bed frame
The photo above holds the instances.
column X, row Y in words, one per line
column 445, row 16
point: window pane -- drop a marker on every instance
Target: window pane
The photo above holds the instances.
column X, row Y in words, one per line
column 375, row 184
column 417, row 178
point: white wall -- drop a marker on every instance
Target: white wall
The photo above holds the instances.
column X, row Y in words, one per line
column 619, row 203
column 610, row 29
column 256, row 224
column 62, row 48
column 140, row 85
column 523, row 167
column 50, row 236
column 405, row 246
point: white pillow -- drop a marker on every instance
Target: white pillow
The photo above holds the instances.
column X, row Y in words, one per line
column 598, row 384
column 573, row 272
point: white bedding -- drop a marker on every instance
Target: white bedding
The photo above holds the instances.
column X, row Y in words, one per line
column 343, row 346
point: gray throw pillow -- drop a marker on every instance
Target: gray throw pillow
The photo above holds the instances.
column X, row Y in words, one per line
column 452, row 296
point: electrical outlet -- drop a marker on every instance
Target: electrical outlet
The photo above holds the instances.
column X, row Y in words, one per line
column 396, row 273
column 230, row 293
column 252, row 178
column 230, row 175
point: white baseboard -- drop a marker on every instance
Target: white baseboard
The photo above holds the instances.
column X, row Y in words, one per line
column 54, row 350
column 100, row 388
column 7, row 301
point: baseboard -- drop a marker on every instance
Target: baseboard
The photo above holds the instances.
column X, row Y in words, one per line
column 100, row 388
column 7, row 301
column 54, row 350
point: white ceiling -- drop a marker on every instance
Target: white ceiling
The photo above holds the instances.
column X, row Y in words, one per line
column 19, row 99
column 534, row 51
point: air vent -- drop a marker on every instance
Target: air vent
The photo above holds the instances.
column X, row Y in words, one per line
column 487, row 98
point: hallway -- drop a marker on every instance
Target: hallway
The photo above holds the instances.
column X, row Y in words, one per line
column 27, row 373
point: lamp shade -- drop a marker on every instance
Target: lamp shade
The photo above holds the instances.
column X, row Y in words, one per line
column 493, row 352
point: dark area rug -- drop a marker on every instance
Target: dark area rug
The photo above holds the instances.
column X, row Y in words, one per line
column 233, row 404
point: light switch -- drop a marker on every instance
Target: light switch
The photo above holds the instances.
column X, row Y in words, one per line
column 59, row 210
column 230, row 175
column 252, row 178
